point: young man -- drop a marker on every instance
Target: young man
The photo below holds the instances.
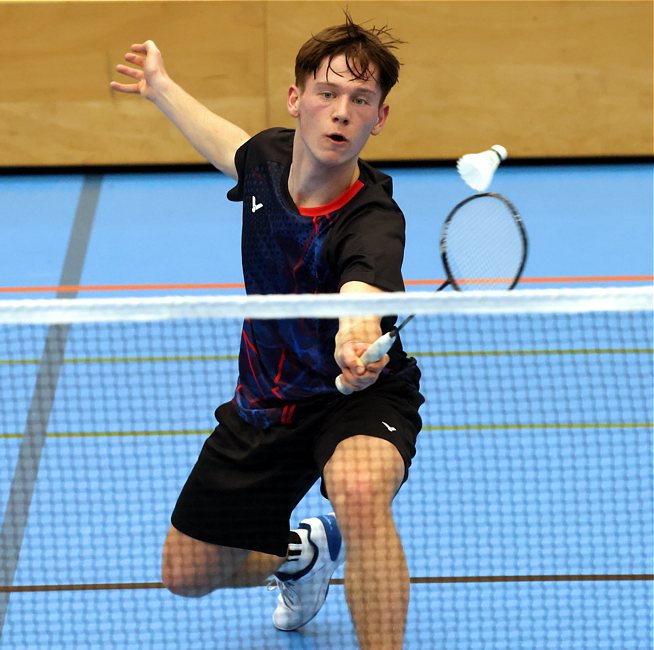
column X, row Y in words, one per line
column 316, row 219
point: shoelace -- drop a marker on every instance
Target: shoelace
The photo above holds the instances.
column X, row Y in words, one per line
column 288, row 594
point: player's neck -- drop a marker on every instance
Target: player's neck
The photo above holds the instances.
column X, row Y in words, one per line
column 312, row 185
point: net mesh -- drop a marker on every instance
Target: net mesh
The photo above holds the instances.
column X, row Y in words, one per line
column 526, row 519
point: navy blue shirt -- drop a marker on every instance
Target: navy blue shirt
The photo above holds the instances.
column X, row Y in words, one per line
column 288, row 249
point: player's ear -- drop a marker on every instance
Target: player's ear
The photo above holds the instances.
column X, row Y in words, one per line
column 382, row 116
column 293, row 101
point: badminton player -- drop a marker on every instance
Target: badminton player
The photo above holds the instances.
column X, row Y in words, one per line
column 316, row 219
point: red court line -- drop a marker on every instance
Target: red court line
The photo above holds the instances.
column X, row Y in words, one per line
column 122, row 287
column 239, row 285
column 551, row 280
column 596, row 278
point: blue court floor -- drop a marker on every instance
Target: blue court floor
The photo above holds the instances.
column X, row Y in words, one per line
column 527, row 520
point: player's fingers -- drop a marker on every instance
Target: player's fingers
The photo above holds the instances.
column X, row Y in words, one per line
column 124, row 88
column 129, row 72
column 354, row 379
column 136, row 59
column 379, row 365
column 343, row 385
column 348, row 375
column 361, row 366
column 362, row 384
column 349, row 358
column 358, row 381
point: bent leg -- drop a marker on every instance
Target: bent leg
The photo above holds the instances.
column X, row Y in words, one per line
column 362, row 477
column 194, row 568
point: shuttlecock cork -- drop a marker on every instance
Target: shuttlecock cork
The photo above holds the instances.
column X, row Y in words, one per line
column 477, row 169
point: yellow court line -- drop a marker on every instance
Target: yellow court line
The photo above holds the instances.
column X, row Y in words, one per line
column 445, row 427
column 446, row 353
column 157, row 359
column 126, row 434
column 531, row 427
column 497, row 353
column 114, row 434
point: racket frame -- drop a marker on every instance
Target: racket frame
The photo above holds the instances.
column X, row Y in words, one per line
column 451, row 280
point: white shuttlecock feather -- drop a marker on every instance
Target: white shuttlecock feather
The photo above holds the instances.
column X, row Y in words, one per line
column 477, row 169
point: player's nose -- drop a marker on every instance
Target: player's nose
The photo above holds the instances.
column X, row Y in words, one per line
column 341, row 111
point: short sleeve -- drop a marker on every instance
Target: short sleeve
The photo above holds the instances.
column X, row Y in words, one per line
column 370, row 248
column 271, row 145
column 240, row 159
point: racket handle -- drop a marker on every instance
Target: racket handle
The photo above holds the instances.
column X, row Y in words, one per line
column 374, row 353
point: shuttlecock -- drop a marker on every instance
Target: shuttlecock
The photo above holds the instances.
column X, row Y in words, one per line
column 477, row 169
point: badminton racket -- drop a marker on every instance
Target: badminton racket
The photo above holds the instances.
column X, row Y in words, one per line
column 483, row 246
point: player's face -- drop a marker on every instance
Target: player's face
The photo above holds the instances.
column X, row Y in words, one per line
column 336, row 112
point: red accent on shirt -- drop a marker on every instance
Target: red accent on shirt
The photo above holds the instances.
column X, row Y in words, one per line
column 337, row 204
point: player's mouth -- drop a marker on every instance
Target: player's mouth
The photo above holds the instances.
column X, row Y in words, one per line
column 337, row 138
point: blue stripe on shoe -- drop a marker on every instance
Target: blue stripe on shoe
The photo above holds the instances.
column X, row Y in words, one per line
column 334, row 539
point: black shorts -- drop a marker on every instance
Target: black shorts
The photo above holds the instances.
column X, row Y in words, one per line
column 247, row 480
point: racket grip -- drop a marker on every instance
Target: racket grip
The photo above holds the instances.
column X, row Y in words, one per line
column 374, row 353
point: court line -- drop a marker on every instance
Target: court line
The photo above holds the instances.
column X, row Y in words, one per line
column 153, row 359
column 532, row 427
column 500, row 353
column 545, row 578
column 553, row 280
column 447, row 427
column 240, row 285
column 32, row 442
column 113, row 586
column 443, row 427
column 411, row 353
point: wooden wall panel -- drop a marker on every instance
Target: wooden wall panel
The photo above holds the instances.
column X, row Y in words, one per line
column 544, row 78
column 57, row 58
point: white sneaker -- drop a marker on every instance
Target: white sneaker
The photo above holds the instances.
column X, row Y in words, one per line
column 301, row 595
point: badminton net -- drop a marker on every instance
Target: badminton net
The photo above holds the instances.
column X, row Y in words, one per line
column 526, row 519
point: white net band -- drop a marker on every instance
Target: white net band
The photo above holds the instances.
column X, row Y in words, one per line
column 98, row 310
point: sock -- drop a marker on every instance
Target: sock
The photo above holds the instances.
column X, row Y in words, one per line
column 300, row 552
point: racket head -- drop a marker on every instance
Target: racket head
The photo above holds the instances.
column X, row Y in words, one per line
column 484, row 244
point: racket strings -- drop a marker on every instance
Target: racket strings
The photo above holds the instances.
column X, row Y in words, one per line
column 483, row 245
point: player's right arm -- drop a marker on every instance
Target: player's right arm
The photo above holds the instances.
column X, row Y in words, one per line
column 354, row 336
column 212, row 136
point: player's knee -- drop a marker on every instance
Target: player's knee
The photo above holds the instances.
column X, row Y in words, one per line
column 181, row 583
column 186, row 566
column 362, row 492
column 358, row 499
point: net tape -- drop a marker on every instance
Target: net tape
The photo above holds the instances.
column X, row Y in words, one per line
column 92, row 310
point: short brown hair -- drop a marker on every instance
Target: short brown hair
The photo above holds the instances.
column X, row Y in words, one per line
column 362, row 48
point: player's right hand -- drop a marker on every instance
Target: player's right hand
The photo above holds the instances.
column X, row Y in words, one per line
column 355, row 374
column 147, row 69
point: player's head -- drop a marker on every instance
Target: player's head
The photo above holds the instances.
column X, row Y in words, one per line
column 368, row 54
